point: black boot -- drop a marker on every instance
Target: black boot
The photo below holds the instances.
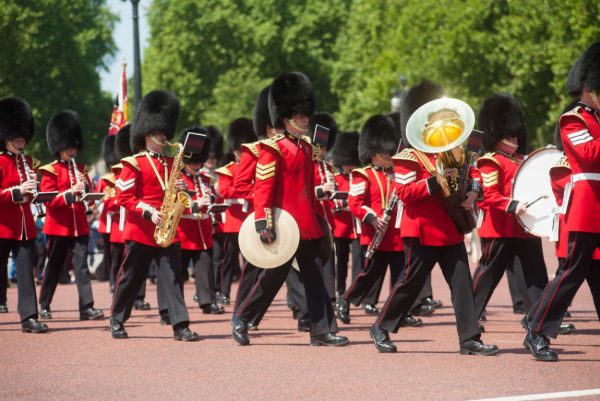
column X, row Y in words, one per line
column 381, row 338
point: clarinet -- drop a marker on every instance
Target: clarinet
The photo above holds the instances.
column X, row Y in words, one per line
column 40, row 208
column 77, row 181
column 206, row 191
column 379, row 234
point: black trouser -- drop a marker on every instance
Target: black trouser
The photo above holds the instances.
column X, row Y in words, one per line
column 373, row 274
column 546, row 315
column 329, row 275
column 104, row 268
column 343, row 247
column 203, row 273
column 593, row 280
column 516, row 285
column 23, row 252
column 419, row 261
column 42, row 253
column 218, row 258
column 132, row 275
column 296, row 295
column 319, row 305
column 116, row 256
column 58, row 248
column 497, row 255
column 231, row 262
column 248, row 278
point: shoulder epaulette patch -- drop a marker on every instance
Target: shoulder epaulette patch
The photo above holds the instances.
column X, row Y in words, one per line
column 307, row 139
column 576, row 111
column 272, row 142
column 49, row 168
column 562, row 162
column 224, row 170
column 110, row 177
column 491, row 157
column 406, row 154
column 252, row 147
column 35, row 163
column 361, row 171
column 132, row 161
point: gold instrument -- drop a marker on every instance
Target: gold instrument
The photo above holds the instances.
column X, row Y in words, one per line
column 442, row 127
column 39, row 207
column 174, row 203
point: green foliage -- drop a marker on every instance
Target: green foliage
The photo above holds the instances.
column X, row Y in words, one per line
column 50, row 54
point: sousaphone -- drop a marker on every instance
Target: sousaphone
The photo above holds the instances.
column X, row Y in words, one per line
column 277, row 253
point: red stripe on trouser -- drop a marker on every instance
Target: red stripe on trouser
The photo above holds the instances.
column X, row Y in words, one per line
column 225, row 243
column 362, row 273
column 243, row 305
column 484, row 259
column 555, row 291
column 237, row 295
column 396, row 287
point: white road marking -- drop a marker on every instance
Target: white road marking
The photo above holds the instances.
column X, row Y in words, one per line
column 546, row 396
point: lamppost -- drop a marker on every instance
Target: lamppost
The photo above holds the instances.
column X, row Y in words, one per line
column 137, row 71
column 398, row 94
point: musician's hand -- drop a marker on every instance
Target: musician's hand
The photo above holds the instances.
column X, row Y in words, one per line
column 81, row 177
column 469, row 203
column 78, row 188
column 181, row 185
column 328, row 187
column 204, row 201
column 521, row 208
column 267, row 236
column 157, row 218
column 450, row 173
column 381, row 224
column 32, row 175
column 28, row 187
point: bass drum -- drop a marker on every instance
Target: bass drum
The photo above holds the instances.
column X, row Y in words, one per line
column 531, row 185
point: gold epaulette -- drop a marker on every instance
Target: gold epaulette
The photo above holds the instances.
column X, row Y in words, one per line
column 116, row 167
column 87, row 169
column 49, row 168
column 110, row 177
column 489, row 156
column 575, row 111
column 224, row 170
column 307, row 139
column 35, row 163
column 252, row 147
column 362, row 171
column 316, row 152
column 272, row 142
column 562, row 163
column 132, row 161
column 406, row 154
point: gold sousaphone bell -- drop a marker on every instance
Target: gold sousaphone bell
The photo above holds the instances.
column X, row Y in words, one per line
column 441, row 127
column 277, row 253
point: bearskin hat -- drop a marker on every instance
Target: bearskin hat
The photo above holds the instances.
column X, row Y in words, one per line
column 123, row 143
column 108, row 151
column 376, row 136
column 414, row 98
column 240, row 131
column 262, row 120
column 215, row 149
column 501, row 116
column 16, row 120
column 345, row 150
column 590, row 68
column 157, row 113
column 195, row 157
column 574, row 85
column 327, row 121
column 291, row 93
column 64, row 132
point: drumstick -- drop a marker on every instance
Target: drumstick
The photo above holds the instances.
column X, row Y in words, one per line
column 544, row 196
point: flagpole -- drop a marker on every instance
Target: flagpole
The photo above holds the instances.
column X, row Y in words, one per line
column 137, row 71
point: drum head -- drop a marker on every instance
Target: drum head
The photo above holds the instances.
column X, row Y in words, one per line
column 531, row 182
column 280, row 251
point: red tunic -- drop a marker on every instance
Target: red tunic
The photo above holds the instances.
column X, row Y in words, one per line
column 560, row 175
column 424, row 214
column 119, row 212
column 370, row 191
column 63, row 219
column 237, row 212
column 219, row 218
column 243, row 182
column 285, row 179
column 106, row 184
column 324, row 204
column 580, row 133
column 140, row 190
column 195, row 227
column 344, row 226
column 497, row 173
column 15, row 209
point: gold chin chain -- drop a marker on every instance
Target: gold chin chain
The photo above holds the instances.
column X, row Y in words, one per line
column 292, row 122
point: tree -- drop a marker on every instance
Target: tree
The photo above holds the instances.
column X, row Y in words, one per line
column 50, row 54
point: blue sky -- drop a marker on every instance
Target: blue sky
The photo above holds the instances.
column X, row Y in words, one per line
column 123, row 37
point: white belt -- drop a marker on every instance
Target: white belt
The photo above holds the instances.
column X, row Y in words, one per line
column 569, row 187
column 238, row 201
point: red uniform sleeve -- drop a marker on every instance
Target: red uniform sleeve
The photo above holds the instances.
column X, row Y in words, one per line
column 49, row 183
column 559, row 177
column 409, row 189
column 264, row 187
column 6, row 194
column 575, row 135
column 126, row 192
column 243, row 182
column 492, row 176
column 225, row 184
column 358, row 201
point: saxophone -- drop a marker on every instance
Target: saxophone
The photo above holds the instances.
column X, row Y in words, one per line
column 174, row 203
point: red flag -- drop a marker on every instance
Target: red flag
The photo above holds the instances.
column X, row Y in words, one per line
column 120, row 114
